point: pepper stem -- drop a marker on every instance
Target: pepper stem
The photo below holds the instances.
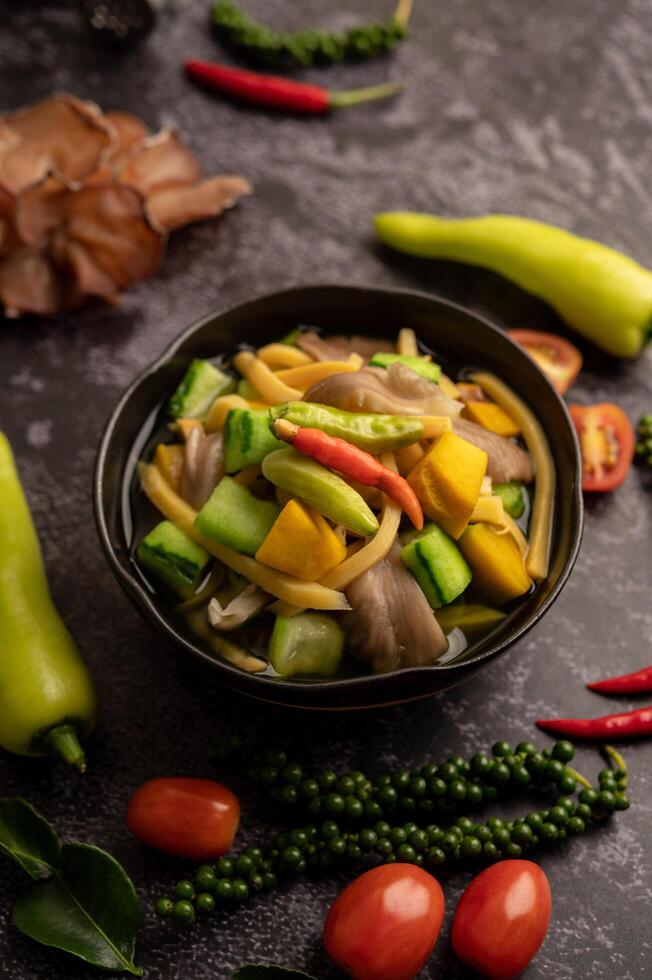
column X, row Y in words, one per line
column 613, row 755
column 579, row 778
column 403, row 12
column 63, row 741
column 285, row 430
column 342, row 100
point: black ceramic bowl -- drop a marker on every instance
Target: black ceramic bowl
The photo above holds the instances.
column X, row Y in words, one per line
column 460, row 338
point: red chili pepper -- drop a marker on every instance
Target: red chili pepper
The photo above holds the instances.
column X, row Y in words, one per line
column 281, row 93
column 628, row 724
column 640, row 682
column 340, row 455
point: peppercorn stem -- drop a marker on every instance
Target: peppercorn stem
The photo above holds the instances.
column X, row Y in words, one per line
column 403, row 12
column 613, row 755
column 579, row 778
column 342, row 100
column 63, row 741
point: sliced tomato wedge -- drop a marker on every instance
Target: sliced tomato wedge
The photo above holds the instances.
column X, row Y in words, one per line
column 556, row 357
column 607, row 444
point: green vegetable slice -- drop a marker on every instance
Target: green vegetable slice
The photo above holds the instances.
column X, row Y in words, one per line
column 174, row 558
column 290, row 339
column 247, row 438
column 437, row 564
column 89, row 909
column 512, row 497
column 472, row 618
column 28, row 838
column 426, row 369
column 309, row 644
column 235, row 518
column 200, row 385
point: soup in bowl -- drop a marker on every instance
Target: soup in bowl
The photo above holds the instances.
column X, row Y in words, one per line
column 342, row 496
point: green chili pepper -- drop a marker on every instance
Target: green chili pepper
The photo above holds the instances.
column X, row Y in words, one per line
column 603, row 294
column 324, row 490
column 375, row 433
column 46, row 695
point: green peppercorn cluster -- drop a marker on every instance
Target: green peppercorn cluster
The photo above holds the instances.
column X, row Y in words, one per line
column 301, row 49
column 431, row 791
column 356, row 821
column 643, row 450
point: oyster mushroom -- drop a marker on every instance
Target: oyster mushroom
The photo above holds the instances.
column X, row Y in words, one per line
column 203, row 466
column 391, row 625
column 251, row 601
column 61, row 135
column 395, row 391
column 338, row 348
column 507, row 461
column 86, row 202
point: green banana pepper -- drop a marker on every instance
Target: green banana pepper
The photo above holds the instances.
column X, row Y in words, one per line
column 47, row 699
column 602, row 293
column 324, row 490
column 375, row 433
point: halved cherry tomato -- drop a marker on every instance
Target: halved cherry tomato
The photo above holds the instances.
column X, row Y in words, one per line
column 385, row 924
column 607, row 444
column 556, row 357
column 502, row 919
column 193, row 818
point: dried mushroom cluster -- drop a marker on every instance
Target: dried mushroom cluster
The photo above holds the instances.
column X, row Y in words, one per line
column 86, row 201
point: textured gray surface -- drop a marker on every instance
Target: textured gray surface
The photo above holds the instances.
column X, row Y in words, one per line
column 530, row 108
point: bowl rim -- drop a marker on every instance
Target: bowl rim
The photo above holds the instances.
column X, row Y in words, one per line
column 144, row 601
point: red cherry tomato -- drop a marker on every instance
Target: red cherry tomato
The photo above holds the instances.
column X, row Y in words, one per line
column 193, row 818
column 556, row 357
column 385, row 924
column 502, row 919
column 607, row 444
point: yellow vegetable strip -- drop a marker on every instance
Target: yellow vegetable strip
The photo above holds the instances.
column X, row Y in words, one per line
column 449, row 387
column 285, row 609
column 407, row 343
column 376, row 549
column 247, row 476
column 487, row 487
column 512, row 528
column 277, row 356
column 310, row 374
column 216, row 418
column 435, row 425
column 309, row 595
column 169, row 460
column 407, row 457
column 538, row 556
column 490, row 510
column 270, row 386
